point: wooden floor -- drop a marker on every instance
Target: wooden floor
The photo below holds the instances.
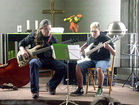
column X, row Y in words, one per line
column 23, row 96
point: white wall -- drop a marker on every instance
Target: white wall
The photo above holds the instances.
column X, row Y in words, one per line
column 14, row 12
column 104, row 11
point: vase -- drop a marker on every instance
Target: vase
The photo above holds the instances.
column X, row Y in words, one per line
column 74, row 27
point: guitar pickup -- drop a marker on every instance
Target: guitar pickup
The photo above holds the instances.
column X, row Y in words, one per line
column 20, row 58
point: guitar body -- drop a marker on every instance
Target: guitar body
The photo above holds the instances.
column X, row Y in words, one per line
column 12, row 73
column 23, row 61
column 89, row 51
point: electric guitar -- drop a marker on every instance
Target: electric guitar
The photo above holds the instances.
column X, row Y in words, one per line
column 22, row 61
column 89, row 51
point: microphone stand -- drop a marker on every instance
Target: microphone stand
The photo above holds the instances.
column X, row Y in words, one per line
column 132, row 74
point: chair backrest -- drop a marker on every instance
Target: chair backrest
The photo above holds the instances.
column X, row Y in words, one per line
column 112, row 63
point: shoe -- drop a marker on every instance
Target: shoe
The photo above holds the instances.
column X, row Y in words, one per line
column 99, row 92
column 35, row 95
column 51, row 91
column 79, row 91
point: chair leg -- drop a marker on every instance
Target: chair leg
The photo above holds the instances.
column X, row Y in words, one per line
column 108, row 74
column 93, row 82
column 88, row 79
column 112, row 75
column 109, row 81
column 52, row 73
column 110, row 89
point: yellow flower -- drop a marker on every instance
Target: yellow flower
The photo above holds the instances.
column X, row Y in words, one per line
column 76, row 19
column 73, row 18
column 65, row 19
column 70, row 20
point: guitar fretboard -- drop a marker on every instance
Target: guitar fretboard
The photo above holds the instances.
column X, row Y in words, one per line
column 96, row 48
column 41, row 50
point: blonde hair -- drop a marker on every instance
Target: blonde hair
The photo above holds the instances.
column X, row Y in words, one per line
column 95, row 25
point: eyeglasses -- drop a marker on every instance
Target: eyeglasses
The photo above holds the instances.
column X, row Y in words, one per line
column 93, row 32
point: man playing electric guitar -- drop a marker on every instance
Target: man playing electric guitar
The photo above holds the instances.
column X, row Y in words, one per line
column 99, row 58
column 44, row 38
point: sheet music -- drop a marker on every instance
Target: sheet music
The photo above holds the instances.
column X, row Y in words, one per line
column 74, row 52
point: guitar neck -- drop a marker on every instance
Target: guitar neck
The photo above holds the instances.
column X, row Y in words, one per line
column 41, row 50
column 48, row 48
column 98, row 47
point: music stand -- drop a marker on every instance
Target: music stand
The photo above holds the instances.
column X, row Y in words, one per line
column 134, row 52
column 63, row 52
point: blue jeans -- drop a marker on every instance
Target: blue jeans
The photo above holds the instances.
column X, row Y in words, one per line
column 35, row 64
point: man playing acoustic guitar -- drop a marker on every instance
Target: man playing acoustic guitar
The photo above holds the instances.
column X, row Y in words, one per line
column 99, row 59
column 44, row 38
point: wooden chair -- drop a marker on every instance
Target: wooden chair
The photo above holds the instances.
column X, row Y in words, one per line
column 44, row 72
column 110, row 72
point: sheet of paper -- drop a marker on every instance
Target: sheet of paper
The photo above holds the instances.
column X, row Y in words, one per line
column 74, row 52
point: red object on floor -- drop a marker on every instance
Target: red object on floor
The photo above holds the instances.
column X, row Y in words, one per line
column 12, row 73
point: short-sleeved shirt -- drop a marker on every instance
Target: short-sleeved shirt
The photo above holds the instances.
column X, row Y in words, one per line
column 29, row 40
column 102, row 53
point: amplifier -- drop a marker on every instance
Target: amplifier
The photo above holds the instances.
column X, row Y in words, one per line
column 72, row 74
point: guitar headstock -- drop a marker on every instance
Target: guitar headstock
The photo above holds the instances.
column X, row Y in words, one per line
column 72, row 40
column 115, row 38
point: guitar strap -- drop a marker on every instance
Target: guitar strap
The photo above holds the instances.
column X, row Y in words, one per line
column 49, row 39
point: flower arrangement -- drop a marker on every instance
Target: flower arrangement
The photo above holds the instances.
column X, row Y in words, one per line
column 74, row 20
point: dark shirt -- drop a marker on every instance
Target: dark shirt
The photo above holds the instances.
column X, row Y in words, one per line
column 102, row 53
column 29, row 40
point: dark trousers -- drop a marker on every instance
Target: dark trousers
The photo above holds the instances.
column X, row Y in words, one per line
column 35, row 64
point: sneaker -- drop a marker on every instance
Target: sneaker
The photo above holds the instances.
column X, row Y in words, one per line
column 51, row 91
column 35, row 95
column 79, row 91
column 99, row 92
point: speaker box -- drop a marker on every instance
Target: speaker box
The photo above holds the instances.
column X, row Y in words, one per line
column 72, row 75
